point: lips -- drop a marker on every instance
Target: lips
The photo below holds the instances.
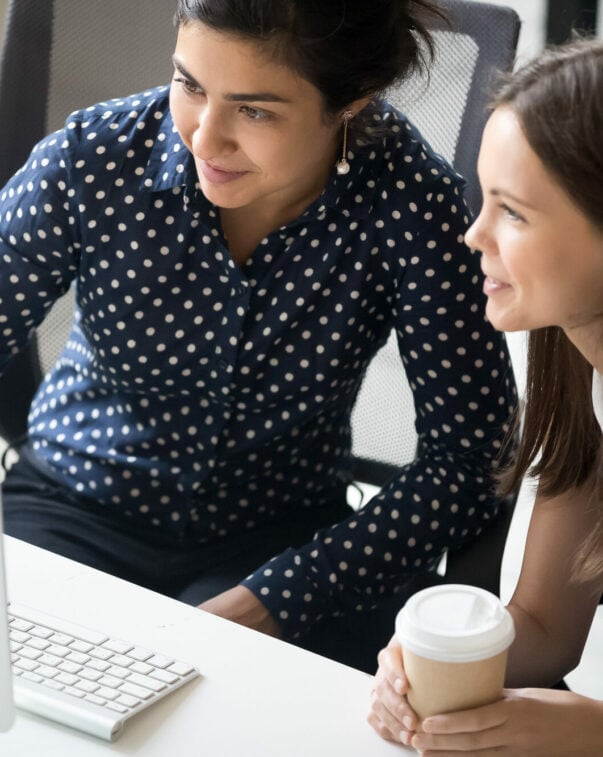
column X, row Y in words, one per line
column 217, row 175
column 492, row 285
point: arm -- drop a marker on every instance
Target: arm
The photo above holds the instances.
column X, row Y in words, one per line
column 552, row 616
column 38, row 242
column 463, row 388
column 552, row 613
column 525, row 722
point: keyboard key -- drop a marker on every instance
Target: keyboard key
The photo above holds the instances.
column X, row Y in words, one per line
column 19, row 636
column 52, row 684
column 90, row 675
column 100, row 653
column 67, row 679
column 46, row 671
column 110, row 681
column 49, row 659
column 141, row 654
column 69, row 667
column 98, row 665
column 141, row 667
column 118, row 672
column 116, row 707
column 58, row 650
column 80, row 646
column 127, row 701
column 77, row 658
column 135, row 691
column 163, row 675
column 146, row 681
column 180, row 669
column 159, row 661
column 31, row 654
column 36, row 643
column 61, row 639
column 24, row 664
column 119, row 647
column 121, row 660
column 88, row 686
column 20, row 625
column 108, row 694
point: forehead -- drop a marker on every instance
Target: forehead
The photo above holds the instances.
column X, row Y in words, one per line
column 237, row 60
column 506, row 156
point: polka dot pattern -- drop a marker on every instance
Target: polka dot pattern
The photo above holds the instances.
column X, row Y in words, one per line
column 208, row 399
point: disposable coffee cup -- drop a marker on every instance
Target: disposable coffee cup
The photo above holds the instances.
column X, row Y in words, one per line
column 454, row 641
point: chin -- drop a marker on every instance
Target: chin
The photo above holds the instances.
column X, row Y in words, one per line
column 503, row 321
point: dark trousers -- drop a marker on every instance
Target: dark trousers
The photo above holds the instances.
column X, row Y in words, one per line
column 38, row 510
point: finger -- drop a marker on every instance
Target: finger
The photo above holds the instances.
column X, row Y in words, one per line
column 394, row 712
column 467, row 721
column 484, row 743
column 379, row 726
column 391, row 667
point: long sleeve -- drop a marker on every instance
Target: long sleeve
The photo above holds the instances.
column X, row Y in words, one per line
column 459, row 370
column 38, row 243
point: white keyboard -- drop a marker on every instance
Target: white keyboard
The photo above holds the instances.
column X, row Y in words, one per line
column 83, row 678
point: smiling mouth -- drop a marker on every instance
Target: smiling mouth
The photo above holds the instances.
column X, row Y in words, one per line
column 492, row 285
column 217, row 175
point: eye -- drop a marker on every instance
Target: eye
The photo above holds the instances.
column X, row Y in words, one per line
column 254, row 113
column 510, row 213
column 188, row 86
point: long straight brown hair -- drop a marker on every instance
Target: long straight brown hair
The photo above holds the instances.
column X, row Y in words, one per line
column 558, row 99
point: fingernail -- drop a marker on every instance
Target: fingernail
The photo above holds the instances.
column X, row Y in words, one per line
column 405, row 737
column 398, row 685
column 407, row 722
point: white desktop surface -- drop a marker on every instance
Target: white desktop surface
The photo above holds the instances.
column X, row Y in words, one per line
column 257, row 697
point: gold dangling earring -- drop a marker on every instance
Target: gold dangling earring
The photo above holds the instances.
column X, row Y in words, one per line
column 342, row 164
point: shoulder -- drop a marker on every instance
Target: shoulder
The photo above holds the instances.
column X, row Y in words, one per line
column 119, row 132
column 409, row 160
column 139, row 111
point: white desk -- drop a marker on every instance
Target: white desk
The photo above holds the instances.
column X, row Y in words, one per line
column 257, row 697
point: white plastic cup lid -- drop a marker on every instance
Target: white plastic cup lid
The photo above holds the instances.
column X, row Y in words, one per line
column 455, row 623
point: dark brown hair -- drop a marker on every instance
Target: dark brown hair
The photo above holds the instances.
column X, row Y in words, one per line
column 558, row 99
column 348, row 49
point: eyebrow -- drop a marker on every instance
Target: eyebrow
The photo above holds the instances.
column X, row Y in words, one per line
column 503, row 193
column 246, row 97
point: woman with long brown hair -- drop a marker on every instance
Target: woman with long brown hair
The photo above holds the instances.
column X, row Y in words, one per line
column 540, row 232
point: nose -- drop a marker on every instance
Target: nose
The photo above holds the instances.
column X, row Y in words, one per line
column 212, row 137
column 477, row 236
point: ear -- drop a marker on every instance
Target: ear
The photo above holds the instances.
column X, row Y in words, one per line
column 355, row 107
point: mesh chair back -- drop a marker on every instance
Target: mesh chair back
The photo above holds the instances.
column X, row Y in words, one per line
column 67, row 54
column 450, row 109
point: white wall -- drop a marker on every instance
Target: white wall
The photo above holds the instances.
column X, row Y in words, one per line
column 533, row 15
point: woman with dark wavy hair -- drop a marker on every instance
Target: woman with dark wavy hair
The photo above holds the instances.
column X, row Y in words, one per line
column 541, row 237
column 243, row 242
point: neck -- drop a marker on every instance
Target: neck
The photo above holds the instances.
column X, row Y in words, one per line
column 588, row 339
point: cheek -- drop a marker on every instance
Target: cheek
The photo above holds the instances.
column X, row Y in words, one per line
column 183, row 117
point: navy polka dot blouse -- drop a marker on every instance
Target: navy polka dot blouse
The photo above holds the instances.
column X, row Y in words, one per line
column 209, row 399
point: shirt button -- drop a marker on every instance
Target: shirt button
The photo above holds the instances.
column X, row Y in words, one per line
column 223, row 364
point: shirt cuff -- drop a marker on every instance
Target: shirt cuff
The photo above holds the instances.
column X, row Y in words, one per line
column 284, row 586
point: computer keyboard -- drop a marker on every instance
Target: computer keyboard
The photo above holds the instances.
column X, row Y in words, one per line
column 82, row 678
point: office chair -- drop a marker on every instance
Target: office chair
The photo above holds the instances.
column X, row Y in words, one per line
column 59, row 55
column 450, row 107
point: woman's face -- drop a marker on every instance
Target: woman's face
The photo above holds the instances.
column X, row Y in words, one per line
column 542, row 258
column 258, row 132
